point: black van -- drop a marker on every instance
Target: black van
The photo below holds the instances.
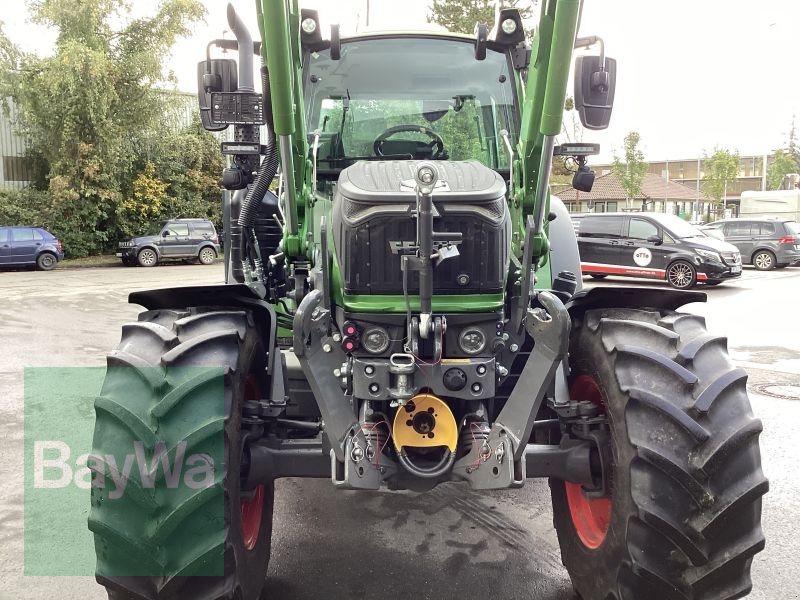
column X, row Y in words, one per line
column 653, row 246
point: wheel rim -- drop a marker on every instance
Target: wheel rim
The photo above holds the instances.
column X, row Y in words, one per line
column 252, row 510
column 680, row 275
column 46, row 261
column 147, row 257
column 251, row 517
column 590, row 516
column 763, row 261
column 207, row 256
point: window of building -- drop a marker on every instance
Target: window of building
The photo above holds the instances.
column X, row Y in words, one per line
column 17, row 168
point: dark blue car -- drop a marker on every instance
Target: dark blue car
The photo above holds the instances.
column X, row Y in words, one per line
column 29, row 246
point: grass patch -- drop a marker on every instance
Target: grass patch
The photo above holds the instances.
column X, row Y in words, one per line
column 103, row 260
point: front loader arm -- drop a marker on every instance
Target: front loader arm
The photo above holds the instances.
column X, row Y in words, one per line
column 542, row 112
column 279, row 23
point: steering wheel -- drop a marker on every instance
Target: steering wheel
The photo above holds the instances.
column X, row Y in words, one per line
column 436, row 144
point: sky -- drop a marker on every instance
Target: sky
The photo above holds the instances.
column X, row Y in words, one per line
column 693, row 75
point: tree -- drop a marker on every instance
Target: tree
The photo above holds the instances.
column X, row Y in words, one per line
column 460, row 16
column 721, row 170
column 632, row 169
column 780, row 165
column 88, row 109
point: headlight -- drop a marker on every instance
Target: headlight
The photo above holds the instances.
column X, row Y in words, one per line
column 709, row 254
column 309, row 25
column 472, row 341
column 509, row 26
column 375, row 340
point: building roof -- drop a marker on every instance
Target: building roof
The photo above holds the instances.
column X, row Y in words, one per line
column 654, row 187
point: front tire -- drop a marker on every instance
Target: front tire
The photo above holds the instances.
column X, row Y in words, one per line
column 147, row 257
column 182, row 376
column 681, row 275
column 683, row 518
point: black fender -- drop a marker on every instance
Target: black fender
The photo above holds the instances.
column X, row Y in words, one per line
column 217, row 296
column 628, row 297
column 564, row 254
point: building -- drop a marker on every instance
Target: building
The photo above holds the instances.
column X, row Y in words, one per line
column 691, row 171
column 15, row 171
column 657, row 194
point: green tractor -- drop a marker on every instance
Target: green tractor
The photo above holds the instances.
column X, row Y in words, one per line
column 402, row 308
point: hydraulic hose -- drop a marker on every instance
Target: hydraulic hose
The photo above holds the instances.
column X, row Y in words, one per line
column 269, row 165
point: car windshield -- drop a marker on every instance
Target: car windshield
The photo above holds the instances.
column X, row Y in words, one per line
column 679, row 228
column 382, row 83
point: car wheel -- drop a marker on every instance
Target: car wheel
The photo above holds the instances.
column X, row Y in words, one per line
column 681, row 275
column 764, row 260
column 147, row 257
column 207, row 256
column 46, row 261
column 597, row 275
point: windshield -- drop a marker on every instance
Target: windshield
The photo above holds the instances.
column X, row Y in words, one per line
column 453, row 106
column 680, row 228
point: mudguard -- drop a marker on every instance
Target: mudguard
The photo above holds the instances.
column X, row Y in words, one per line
column 564, row 254
column 625, row 297
column 223, row 296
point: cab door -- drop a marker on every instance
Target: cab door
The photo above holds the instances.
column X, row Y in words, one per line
column 644, row 250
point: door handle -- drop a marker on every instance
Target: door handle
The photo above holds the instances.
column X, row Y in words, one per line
column 613, row 243
column 629, row 244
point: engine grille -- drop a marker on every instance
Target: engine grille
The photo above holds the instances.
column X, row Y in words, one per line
column 731, row 258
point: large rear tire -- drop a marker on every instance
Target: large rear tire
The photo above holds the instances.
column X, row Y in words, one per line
column 153, row 391
column 683, row 520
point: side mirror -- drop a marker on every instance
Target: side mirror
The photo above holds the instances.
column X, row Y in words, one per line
column 216, row 75
column 165, row 233
column 654, row 239
column 595, row 82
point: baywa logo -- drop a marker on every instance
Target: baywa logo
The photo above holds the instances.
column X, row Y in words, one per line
column 52, row 468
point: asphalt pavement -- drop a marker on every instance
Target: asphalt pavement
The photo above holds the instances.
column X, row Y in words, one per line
column 446, row 544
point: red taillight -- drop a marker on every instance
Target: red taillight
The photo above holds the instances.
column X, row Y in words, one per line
column 58, row 245
column 788, row 239
column 215, row 239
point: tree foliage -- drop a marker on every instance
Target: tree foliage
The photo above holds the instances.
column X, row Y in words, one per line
column 460, row 16
column 780, row 165
column 632, row 168
column 721, row 170
column 93, row 112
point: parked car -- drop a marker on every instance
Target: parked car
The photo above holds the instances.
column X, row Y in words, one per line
column 764, row 243
column 29, row 246
column 178, row 239
column 653, row 246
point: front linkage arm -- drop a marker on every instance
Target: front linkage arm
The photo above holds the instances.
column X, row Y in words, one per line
column 499, row 463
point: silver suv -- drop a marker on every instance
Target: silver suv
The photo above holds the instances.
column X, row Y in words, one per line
column 178, row 239
column 764, row 243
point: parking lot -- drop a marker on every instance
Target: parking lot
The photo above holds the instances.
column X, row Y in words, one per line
column 449, row 543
